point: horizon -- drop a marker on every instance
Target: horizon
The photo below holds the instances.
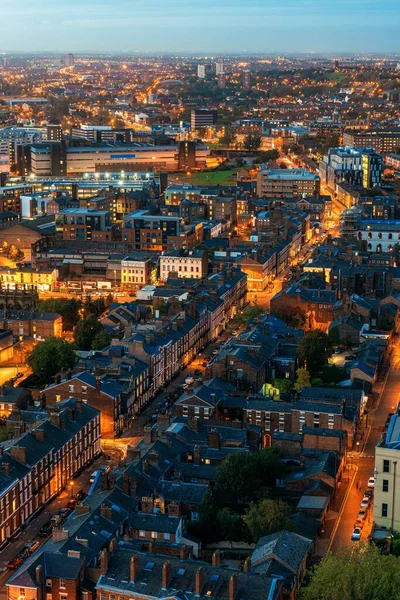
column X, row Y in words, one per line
column 179, row 26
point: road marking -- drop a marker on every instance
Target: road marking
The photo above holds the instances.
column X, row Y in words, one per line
column 341, row 512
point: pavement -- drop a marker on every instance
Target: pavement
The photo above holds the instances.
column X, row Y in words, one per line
column 111, row 457
column 362, row 459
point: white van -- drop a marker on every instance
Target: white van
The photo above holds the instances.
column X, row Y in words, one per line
column 93, row 476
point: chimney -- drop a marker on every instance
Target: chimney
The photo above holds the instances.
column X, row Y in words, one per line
column 103, row 561
column 152, row 457
column 166, row 574
column 132, row 454
column 78, row 404
column 216, row 559
column 39, row 435
column 5, row 467
column 58, row 534
column 173, row 509
column 74, row 553
column 214, row 440
column 232, row 587
column 106, row 512
column 247, row 565
column 81, row 509
column 133, row 567
column 19, row 454
column 199, row 581
column 196, row 455
column 55, row 419
column 98, row 382
column 145, row 466
column 39, row 574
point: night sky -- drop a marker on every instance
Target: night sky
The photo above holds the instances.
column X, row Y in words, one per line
column 202, row 26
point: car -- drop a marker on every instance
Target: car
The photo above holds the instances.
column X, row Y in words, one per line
column 365, row 502
column 350, row 357
column 189, row 380
column 45, row 529
column 80, row 495
column 362, row 513
column 356, row 535
column 215, row 352
column 15, row 563
column 32, row 546
column 198, row 372
column 71, row 504
column 368, row 493
column 65, row 512
column 56, row 520
column 93, row 476
column 337, row 350
column 359, row 523
column 371, row 482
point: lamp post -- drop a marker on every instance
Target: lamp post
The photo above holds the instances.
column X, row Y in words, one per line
column 71, row 488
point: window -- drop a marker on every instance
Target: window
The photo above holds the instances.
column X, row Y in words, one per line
column 386, row 466
column 167, row 536
column 22, row 591
column 48, row 582
column 62, row 584
column 385, row 485
column 154, row 535
column 63, row 597
column 70, row 388
column 142, row 533
column 384, row 509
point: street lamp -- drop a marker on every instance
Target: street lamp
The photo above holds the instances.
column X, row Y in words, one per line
column 71, row 485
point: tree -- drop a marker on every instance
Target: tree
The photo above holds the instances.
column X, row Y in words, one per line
column 314, row 350
column 101, row 340
column 331, row 374
column 334, row 336
column 87, row 331
column 303, row 379
column 229, row 136
column 252, row 142
column 265, row 517
column 283, row 385
column 244, row 477
column 68, row 308
column 354, row 573
column 50, row 357
column 207, row 527
column 231, row 525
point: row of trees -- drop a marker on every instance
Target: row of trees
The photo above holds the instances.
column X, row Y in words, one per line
column 74, row 310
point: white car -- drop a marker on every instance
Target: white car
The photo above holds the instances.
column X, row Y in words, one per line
column 371, row 482
column 189, row 380
column 356, row 535
column 364, row 502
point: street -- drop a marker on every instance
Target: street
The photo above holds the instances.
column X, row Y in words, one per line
column 364, row 459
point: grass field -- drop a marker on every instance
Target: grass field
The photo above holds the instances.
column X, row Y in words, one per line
column 211, row 178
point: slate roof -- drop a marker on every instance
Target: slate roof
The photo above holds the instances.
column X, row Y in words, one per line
column 289, row 548
column 192, row 493
column 154, row 522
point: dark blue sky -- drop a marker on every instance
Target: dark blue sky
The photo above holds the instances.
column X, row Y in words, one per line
column 207, row 26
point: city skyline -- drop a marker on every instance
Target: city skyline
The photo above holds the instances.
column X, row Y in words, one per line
column 229, row 26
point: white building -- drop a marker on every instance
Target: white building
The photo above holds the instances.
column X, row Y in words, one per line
column 192, row 264
column 387, row 477
column 201, row 71
column 219, row 67
column 379, row 235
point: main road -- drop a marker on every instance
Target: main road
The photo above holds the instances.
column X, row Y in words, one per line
column 386, row 401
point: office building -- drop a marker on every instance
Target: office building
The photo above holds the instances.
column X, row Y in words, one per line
column 69, row 60
column 287, row 183
column 219, row 67
column 201, row 71
column 202, row 117
column 387, row 477
column 47, row 158
column 380, row 140
column 371, row 168
column 351, row 165
column 246, row 75
column 84, row 224
column 150, row 232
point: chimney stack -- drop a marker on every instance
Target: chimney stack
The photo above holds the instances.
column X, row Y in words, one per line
column 216, row 559
column 166, row 574
column 232, row 587
column 199, row 581
column 133, row 567
column 39, row 574
column 247, row 565
column 103, row 561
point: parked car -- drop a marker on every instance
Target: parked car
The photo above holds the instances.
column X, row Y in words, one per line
column 65, row 512
column 15, row 562
column 337, row 350
column 365, row 502
column 71, row 504
column 32, row 546
column 45, row 529
column 80, row 495
column 359, row 523
column 369, row 493
column 189, row 380
column 235, row 333
column 56, row 520
column 371, row 482
column 350, row 357
column 93, row 476
column 362, row 513
column 356, row 535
